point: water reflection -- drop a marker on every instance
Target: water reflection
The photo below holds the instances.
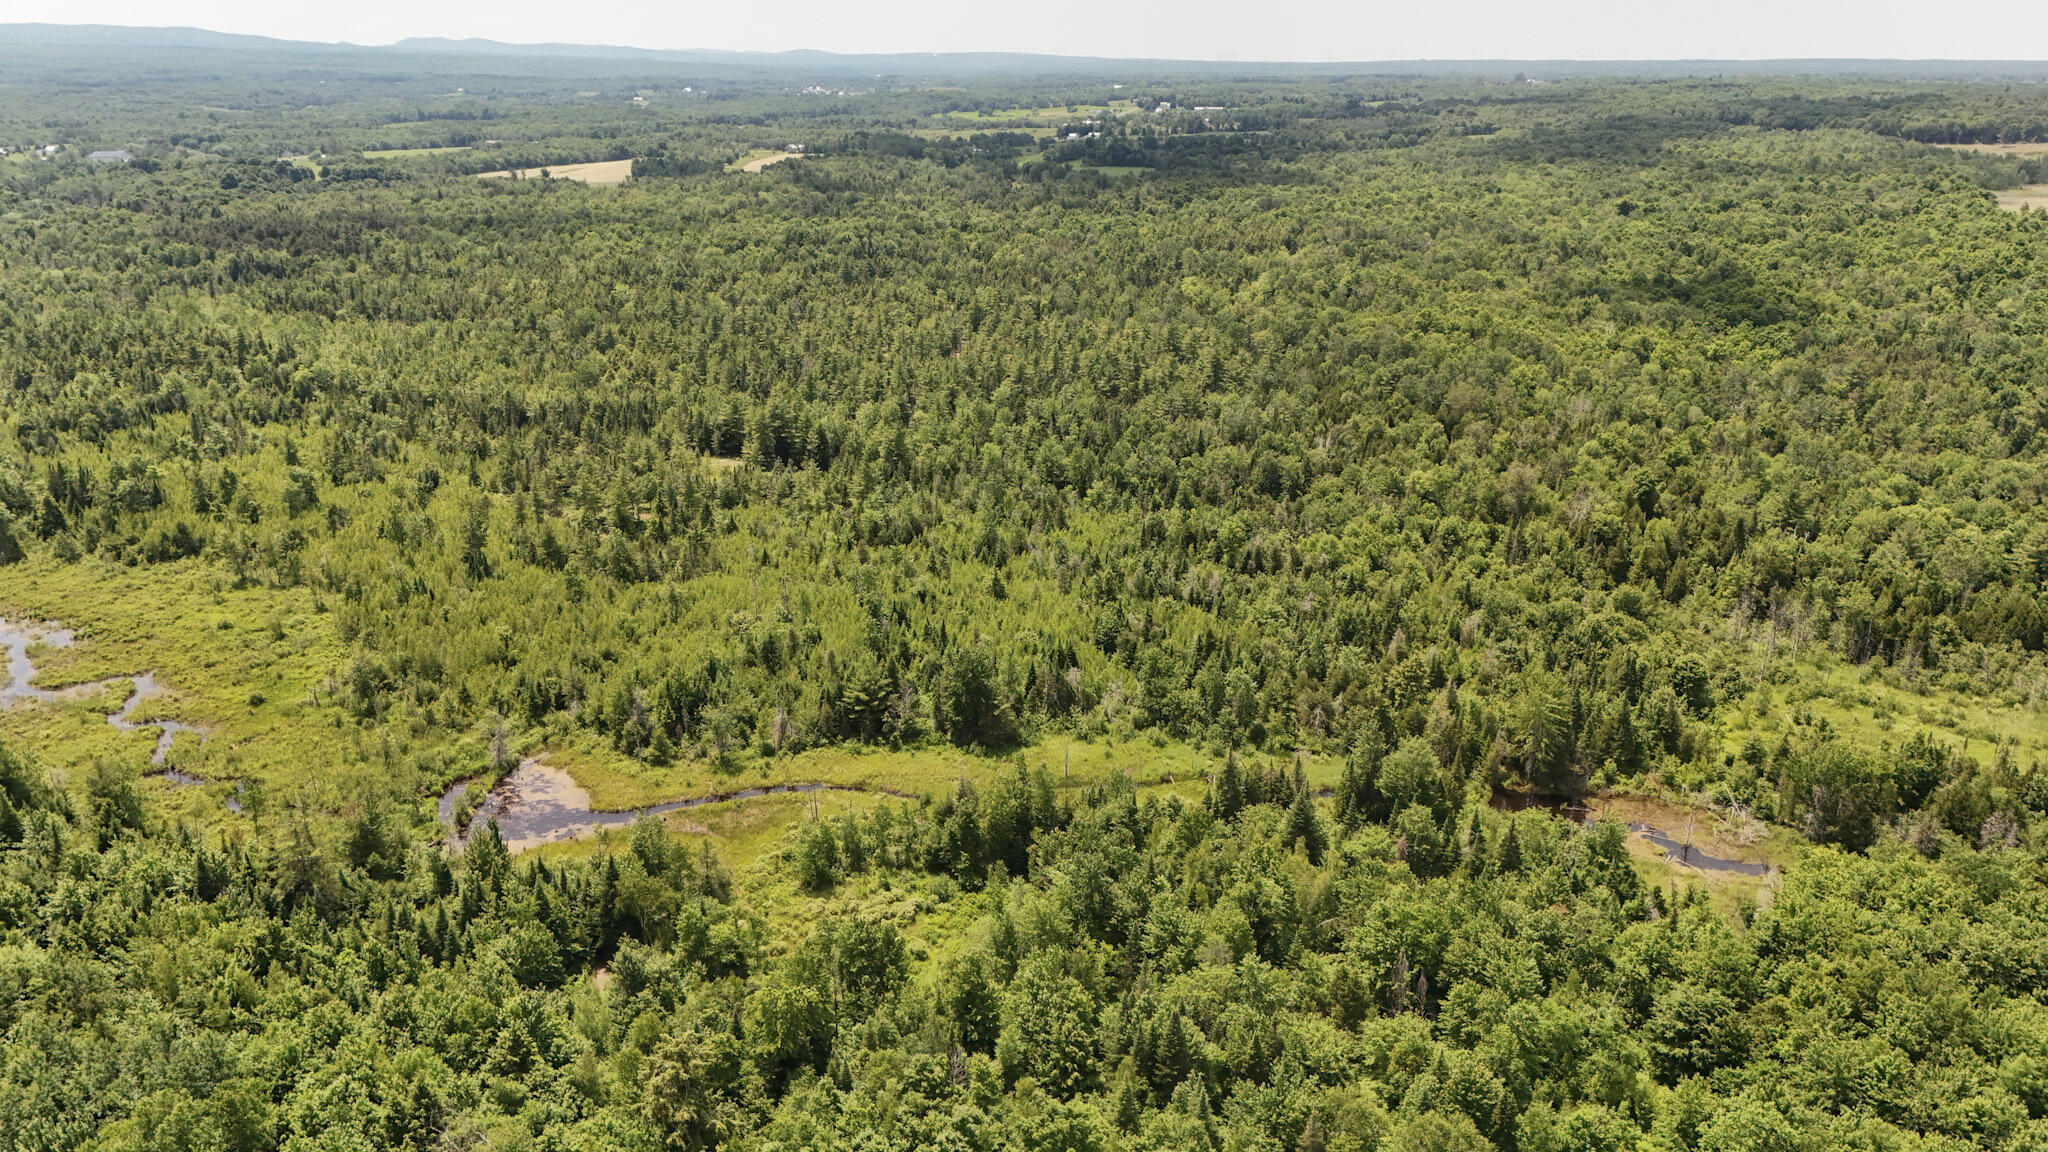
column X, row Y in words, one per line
column 1577, row 811
column 538, row 804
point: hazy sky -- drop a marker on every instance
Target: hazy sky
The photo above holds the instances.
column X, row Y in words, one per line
column 1200, row 29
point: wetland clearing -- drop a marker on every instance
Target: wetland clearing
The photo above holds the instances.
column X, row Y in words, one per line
column 20, row 638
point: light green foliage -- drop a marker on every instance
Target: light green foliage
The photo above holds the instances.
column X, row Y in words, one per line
column 1156, row 977
column 1107, row 496
column 1539, row 451
column 1048, row 1033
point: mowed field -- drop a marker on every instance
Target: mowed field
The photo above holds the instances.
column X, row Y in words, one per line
column 759, row 159
column 597, row 172
column 2028, row 150
column 2025, row 196
column 957, row 130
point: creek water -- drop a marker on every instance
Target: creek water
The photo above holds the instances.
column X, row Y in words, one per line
column 21, row 671
column 146, row 685
column 1681, row 853
column 1561, row 806
column 1578, row 812
column 537, row 804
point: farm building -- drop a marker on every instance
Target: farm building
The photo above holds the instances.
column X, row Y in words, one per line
column 114, row 156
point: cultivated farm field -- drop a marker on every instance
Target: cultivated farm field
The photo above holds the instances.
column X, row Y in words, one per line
column 759, row 163
column 601, row 172
column 2025, row 196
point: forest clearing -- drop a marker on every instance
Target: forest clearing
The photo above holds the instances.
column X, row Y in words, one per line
column 2025, row 196
column 2027, row 150
column 598, row 172
column 400, row 153
column 760, row 162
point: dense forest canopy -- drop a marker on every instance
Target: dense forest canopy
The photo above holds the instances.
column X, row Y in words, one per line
column 1347, row 456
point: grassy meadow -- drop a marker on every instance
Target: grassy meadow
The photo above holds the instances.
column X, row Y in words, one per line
column 601, row 173
column 252, row 664
column 1873, row 709
column 257, row 667
column 2033, row 196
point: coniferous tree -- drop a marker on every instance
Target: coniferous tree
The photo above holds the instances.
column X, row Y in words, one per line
column 1305, row 825
column 1229, row 797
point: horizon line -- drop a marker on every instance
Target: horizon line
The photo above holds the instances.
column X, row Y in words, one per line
column 486, row 42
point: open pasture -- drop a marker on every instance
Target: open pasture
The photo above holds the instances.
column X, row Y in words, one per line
column 2025, row 196
column 1051, row 112
column 760, row 162
column 600, row 172
column 2029, row 150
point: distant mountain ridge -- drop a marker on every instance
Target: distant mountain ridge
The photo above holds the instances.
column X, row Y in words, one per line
column 31, row 35
column 478, row 46
column 109, row 36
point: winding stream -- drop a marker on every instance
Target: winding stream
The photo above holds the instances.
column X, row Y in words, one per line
column 1578, row 812
column 146, row 685
column 21, row 671
column 537, row 804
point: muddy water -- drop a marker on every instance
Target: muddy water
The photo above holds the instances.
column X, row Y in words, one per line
column 537, row 804
column 1681, row 853
column 1578, row 812
column 1561, row 806
column 21, row 671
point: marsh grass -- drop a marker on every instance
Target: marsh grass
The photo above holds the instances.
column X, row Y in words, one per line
column 252, row 664
column 1865, row 707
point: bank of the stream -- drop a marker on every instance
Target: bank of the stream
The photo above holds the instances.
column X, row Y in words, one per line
column 1677, row 848
column 537, row 804
column 21, row 672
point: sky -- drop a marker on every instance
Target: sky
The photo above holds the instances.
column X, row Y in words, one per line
column 1183, row 29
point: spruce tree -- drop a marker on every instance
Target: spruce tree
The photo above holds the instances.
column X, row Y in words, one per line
column 1229, row 790
column 1305, row 825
